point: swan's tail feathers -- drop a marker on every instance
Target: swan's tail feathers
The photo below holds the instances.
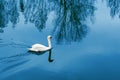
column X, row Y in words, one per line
column 28, row 48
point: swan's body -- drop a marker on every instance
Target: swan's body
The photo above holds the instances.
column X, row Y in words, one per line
column 41, row 48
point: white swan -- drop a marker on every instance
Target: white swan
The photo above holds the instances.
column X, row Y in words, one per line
column 40, row 47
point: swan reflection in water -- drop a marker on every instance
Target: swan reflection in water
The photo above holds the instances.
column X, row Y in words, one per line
column 40, row 53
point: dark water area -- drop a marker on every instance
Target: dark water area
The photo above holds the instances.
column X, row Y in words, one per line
column 85, row 39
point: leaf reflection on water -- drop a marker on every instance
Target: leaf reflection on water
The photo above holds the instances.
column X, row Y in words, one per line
column 70, row 23
column 114, row 7
column 71, row 19
column 71, row 16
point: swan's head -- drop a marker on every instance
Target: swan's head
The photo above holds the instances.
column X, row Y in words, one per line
column 49, row 37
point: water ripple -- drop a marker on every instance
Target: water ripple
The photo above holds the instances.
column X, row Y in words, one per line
column 15, row 44
column 2, row 59
column 12, row 66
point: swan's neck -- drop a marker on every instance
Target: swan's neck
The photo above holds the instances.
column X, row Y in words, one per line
column 49, row 43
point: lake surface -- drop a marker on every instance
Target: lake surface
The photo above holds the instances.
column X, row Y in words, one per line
column 85, row 39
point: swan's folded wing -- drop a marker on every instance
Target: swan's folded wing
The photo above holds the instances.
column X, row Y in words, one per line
column 38, row 45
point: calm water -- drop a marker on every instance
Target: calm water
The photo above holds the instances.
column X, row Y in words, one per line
column 85, row 39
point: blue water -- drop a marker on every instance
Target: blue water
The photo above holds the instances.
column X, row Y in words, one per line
column 85, row 39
